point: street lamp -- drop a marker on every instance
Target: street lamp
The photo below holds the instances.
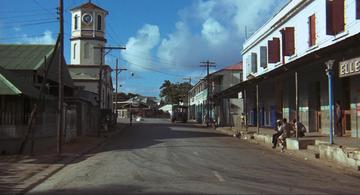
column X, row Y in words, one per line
column 330, row 72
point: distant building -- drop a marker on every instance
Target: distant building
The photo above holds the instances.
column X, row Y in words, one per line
column 226, row 111
column 138, row 105
column 197, row 101
column 219, row 81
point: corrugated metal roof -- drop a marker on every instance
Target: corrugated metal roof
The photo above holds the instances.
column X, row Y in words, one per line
column 7, row 88
column 238, row 66
column 24, row 57
column 31, row 57
column 12, row 84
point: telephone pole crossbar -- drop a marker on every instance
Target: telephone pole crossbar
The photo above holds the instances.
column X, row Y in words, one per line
column 207, row 64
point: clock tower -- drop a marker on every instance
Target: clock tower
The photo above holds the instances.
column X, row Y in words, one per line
column 87, row 32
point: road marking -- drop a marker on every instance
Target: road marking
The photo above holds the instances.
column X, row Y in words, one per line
column 218, row 176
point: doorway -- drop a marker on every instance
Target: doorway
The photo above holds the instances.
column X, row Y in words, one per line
column 314, row 99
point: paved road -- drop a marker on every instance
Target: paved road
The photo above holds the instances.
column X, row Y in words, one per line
column 157, row 157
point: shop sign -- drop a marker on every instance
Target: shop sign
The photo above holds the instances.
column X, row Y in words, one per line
column 349, row 67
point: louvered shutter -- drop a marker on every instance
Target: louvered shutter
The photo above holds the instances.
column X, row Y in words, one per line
column 253, row 62
column 339, row 17
column 357, row 9
column 329, row 17
column 312, row 30
column 276, row 43
column 290, row 41
column 263, row 56
column 271, row 51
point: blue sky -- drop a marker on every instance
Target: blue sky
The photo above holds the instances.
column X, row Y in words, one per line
column 165, row 39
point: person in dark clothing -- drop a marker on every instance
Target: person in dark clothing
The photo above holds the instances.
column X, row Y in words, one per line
column 277, row 134
column 338, row 119
column 131, row 118
column 299, row 128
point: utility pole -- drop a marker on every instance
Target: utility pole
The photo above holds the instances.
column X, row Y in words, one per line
column 102, row 55
column 60, row 121
column 207, row 64
column 117, row 71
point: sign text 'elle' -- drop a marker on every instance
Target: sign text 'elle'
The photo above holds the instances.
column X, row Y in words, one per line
column 349, row 67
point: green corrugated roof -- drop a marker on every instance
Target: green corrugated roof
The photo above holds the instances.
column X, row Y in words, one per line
column 13, row 84
column 23, row 57
column 7, row 88
column 31, row 57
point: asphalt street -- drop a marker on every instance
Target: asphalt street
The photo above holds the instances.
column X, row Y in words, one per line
column 157, row 157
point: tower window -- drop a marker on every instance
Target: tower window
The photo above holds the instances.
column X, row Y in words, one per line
column 99, row 22
column 76, row 22
column 74, row 51
column 86, row 50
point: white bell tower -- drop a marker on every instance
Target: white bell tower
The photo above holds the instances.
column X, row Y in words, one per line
column 87, row 32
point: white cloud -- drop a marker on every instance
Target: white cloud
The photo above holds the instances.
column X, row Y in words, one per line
column 214, row 32
column 221, row 33
column 45, row 39
column 138, row 48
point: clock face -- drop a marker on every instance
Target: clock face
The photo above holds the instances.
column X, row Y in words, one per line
column 87, row 18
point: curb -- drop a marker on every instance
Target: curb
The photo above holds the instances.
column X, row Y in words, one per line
column 265, row 140
column 53, row 169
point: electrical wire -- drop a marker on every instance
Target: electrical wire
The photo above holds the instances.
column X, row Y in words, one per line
column 21, row 37
column 28, row 21
column 44, row 8
column 154, row 70
column 23, row 15
column 31, row 24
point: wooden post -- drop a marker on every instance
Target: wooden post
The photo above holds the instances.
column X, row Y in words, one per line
column 257, row 109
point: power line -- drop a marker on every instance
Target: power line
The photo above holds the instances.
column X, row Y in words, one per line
column 32, row 24
column 149, row 58
column 23, row 15
column 28, row 21
column 154, row 70
column 21, row 37
column 21, row 11
column 44, row 8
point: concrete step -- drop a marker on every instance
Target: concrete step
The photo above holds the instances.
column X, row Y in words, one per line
column 319, row 142
column 313, row 148
column 298, row 144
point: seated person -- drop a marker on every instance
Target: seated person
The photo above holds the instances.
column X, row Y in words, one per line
column 277, row 134
column 285, row 129
column 299, row 127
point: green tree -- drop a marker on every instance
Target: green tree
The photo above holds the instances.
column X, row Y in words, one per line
column 173, row 93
